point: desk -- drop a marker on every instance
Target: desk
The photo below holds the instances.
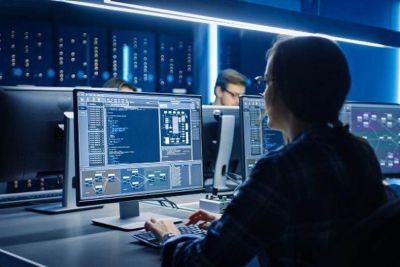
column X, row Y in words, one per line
column 72, row 240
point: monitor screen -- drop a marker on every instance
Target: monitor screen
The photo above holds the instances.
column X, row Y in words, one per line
column 32, row 142
column 136, row 145
column 379, row 124
column 211, row 131
column 257, row 138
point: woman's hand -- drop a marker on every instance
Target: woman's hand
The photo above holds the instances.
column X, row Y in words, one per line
column 161, row 228
column 204, row 217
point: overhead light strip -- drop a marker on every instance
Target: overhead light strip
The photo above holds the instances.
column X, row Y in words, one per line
column 212, row 60
column 125, row 62
column 397, row 16
column 164, row 13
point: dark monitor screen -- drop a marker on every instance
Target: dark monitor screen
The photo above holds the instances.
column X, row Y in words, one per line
column 379, row 124
column 257, row 137
column 32, row 139
column 136, row 145
column 211, row 132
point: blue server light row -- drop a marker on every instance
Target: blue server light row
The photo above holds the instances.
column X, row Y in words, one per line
column 41, row 54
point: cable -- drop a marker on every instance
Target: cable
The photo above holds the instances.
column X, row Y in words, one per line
column 164, row 201
column 161, row 202
column 235, row 175
column 173, row 204
column 228, row 176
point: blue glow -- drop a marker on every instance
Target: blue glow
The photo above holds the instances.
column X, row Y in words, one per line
column 17, row 72
column 398, row 55
column 125, row 62
column 170, row 78
column 105, row 75
column 81, row 75
column 51, row 73
column 212, row 59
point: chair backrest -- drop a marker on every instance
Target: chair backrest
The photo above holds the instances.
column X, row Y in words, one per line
column 371, row 242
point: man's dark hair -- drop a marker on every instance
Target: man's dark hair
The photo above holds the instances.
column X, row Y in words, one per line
column 311, row 75
column 229, row 76
column 118, row 83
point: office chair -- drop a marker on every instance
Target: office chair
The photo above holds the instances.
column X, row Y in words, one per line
column 372, row 242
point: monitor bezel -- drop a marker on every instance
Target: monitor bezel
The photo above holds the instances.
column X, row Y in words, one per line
column 85, row 202
column 241, row 118
column 384, row 174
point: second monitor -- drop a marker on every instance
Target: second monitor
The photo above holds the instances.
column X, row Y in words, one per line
column 379, row 124
column 228, row 165
column 258, row 139
column 32, row 143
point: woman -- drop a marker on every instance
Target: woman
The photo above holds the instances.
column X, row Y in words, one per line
column 302, row 197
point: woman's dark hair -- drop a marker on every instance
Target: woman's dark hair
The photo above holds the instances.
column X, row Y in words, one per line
column 118, row 83
column 311, row 75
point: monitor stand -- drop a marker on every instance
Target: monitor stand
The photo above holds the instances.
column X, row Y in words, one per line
column 68, row 203
column 227, row 129
column 130, row 218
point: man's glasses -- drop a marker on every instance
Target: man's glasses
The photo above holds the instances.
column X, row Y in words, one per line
column 234, row 95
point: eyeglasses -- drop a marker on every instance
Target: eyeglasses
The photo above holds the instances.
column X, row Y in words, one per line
column 262, row 82
column 234, row 95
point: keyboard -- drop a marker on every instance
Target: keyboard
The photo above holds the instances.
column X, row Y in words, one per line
column 149, row 239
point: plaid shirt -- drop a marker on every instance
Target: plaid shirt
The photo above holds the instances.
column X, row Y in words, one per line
column 297, row 201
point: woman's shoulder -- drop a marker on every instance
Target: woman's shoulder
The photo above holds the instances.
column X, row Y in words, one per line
column 274, row 157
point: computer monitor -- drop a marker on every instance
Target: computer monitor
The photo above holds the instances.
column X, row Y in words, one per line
column 36, row 155
column 257, row 137
column 212, row 124
column 379, row 124
column 32, row 143
column 68, row 203
column 132, row 146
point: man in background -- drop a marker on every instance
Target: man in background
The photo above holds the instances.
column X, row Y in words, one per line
column 120, row 84
column 229, row 86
